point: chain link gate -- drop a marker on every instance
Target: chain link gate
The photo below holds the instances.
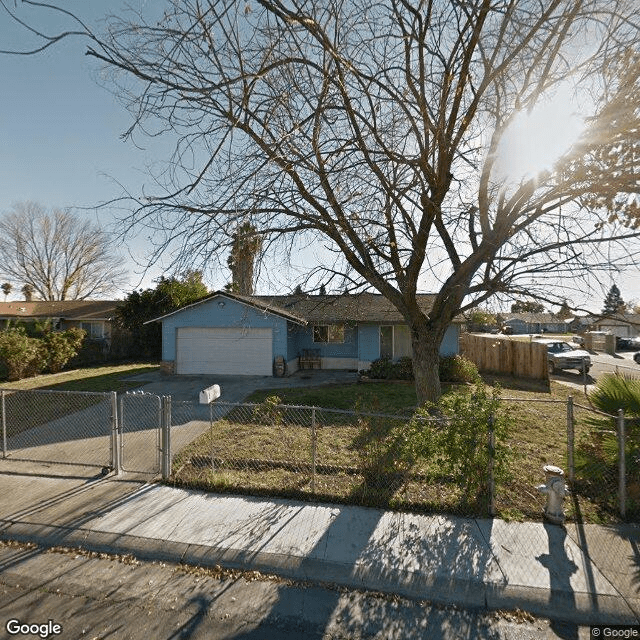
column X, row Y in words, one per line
column 140, row 429
column 59, row 427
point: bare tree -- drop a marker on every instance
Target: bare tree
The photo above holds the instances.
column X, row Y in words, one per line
column 374, row 127
column 57, row 254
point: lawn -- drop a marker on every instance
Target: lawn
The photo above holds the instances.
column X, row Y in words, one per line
column 99, row 379
column 383, row 396
column 27, row 410
column 355, row 463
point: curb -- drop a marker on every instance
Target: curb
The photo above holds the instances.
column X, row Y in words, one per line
column 579, row 608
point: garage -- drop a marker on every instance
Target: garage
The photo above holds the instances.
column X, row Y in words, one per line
column 224, row 350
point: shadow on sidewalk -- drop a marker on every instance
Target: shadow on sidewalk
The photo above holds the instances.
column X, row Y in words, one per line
column 561, row 568
column 396, row 556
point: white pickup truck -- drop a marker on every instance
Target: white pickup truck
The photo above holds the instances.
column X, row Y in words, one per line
column 562, row 355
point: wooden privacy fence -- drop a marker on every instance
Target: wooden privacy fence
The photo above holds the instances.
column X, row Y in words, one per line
column 503, row 354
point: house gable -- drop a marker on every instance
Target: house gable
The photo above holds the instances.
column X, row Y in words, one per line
column 222, row 312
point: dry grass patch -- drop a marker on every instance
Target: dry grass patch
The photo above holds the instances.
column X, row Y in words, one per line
column 354, row 456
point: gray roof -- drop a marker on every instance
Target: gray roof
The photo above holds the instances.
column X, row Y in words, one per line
column 359, row 307
column 542, row 318
column 67, row 309
column 303, row 308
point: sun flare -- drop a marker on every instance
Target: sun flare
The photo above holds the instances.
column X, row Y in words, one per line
column 535, row 141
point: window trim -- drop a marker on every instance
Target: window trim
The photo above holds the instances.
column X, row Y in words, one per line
column 380, row 327
column 338, row 327
column 94, row 324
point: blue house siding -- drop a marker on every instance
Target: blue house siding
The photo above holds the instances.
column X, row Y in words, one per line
column 346, row 349
column 450, row 342
column 369, row 342
column 231, row 314
column 333, row 355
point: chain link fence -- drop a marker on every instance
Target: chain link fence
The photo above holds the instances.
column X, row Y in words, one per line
column 57, row 426
column 330, row 454
column 375, row 459
column 587, row 445
column 366, row 458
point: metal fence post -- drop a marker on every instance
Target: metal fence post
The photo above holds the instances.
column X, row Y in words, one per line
column 622, row 485
column 116, row 451
column 570, row 439
column 314, row 449
column 213, row 466
column 491, row 479
column 4, row 426
column 166, row 437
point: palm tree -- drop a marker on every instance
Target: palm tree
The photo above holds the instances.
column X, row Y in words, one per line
column 28, row 290
column 6, row 289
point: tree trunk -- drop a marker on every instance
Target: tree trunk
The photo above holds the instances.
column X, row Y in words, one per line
column 426, row 361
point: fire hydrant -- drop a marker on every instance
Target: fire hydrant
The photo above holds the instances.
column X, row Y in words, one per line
column 556, row 490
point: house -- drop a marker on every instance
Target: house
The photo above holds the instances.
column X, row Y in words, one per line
column 227, row 333
column 525, row 323
column 94, row 316
column 620, row 325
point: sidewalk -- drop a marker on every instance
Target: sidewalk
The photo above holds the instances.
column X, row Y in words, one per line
column 587, row 574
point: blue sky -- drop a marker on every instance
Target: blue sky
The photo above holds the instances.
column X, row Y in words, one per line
column 60, row 136
column 60, row 131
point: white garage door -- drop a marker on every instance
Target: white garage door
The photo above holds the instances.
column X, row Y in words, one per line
column 231, row 351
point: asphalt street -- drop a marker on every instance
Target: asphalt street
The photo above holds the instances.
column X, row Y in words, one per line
column 96, row 596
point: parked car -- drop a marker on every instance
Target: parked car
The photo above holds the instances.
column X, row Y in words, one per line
column 561, row 355
column 636, row 357
column 578, row 340
column 624, row 344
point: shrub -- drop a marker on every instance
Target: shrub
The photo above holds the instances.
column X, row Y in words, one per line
column 454, row 434
column 380, row 369
column 458, row 369
column 403, row 369
column 59, row 347
column 20, row 355
column 451, row 369
column 597, row 453
column 614, row 392
column 269, row 411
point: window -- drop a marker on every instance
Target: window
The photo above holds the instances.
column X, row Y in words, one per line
column 328, row 333
column 95, row 330
column 395, row 341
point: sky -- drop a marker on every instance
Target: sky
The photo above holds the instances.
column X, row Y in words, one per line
column 60, row 133
column 61, row 139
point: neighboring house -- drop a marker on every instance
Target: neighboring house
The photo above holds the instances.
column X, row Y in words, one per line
column 94, row 316
column 227, row 333
column 523, row 323
column 622, row 325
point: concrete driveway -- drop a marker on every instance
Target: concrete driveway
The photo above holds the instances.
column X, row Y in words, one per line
column 235, row 388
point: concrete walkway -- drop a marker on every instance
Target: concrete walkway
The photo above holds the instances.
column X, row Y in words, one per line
column 585, row 575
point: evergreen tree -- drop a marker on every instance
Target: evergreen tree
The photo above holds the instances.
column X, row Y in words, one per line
column 524, row 306
column 139, row 306
column 613, row 302
column 565, row 311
